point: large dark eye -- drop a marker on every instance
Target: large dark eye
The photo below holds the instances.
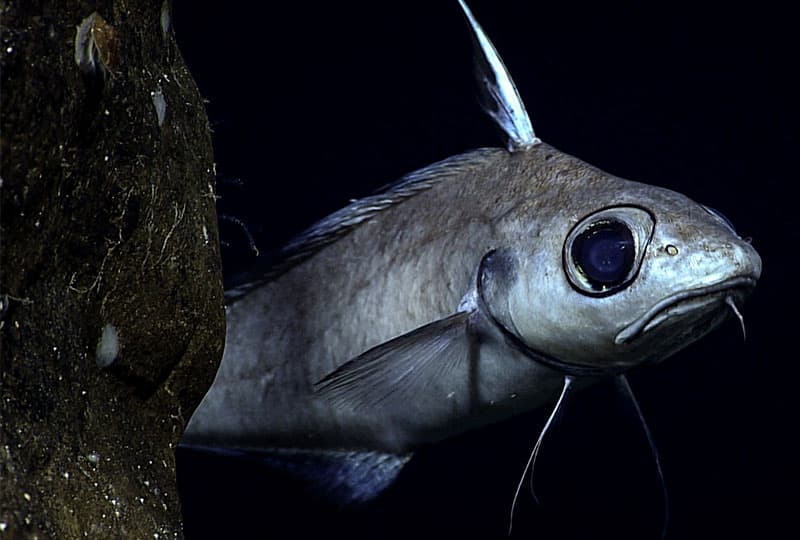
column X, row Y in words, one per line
column 603, row 251
column 604, row 254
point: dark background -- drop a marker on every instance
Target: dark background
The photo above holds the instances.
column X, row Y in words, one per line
column 317, row 103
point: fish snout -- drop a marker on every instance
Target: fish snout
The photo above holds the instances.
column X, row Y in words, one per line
column 716, row 274
column 746, row 260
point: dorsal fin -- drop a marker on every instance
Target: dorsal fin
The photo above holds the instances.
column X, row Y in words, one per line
column 342, row 222
column 499, row 94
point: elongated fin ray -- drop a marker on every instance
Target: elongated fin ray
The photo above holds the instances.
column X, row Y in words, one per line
column 396, row 373
column 531, row 464
column 500, row 96
column 622, row 383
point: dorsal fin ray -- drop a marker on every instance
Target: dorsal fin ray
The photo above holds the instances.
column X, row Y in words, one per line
column 500, row 97
column 337, row 225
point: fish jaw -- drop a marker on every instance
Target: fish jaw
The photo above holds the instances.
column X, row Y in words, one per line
column 685, row 303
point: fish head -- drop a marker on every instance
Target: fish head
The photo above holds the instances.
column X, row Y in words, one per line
column 619, row 273
column 604, row 273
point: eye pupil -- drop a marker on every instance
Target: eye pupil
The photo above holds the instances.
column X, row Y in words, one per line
column 604, row 254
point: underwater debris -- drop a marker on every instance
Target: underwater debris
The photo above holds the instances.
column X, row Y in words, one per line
column 95, row 45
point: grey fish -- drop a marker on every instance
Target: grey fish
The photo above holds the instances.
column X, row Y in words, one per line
column 464, row 294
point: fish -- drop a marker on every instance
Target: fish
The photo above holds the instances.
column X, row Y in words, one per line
column 483, row 286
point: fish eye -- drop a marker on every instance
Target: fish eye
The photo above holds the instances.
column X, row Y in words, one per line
column 603, row 252
column 719, row 215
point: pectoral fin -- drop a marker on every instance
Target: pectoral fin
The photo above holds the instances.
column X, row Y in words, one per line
column 408, row 367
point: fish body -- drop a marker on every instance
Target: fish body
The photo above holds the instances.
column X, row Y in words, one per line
column 414, row 262
column 462, row 295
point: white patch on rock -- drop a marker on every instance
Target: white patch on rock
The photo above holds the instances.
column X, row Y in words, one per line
column 107, row 347
column 160, row 104
column 166, row 18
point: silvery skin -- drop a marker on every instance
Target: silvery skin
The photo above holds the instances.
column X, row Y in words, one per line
column 464, row 295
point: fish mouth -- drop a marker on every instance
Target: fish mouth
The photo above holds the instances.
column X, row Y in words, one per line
column 682, row 303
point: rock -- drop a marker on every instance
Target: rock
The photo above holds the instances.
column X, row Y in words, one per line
column 112, row 317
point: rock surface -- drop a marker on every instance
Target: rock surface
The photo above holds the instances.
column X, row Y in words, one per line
column 112, row 318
